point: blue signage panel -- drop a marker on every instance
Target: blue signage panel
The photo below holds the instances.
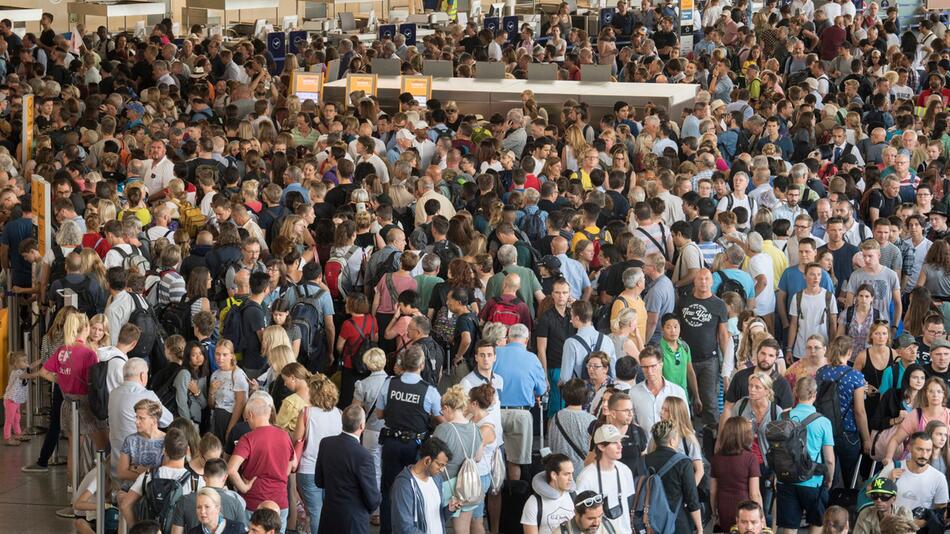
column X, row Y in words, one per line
column 492, row 23
column 606, row 16
column 408, row 30
column 510, row 24
column 387, row 31
column 277, row 44
column 297, row 41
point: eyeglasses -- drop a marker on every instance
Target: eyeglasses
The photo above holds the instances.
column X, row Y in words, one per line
column 802, row 227
column 936, row 332
column 590, row 502
column 883, row 498
column 595, row 367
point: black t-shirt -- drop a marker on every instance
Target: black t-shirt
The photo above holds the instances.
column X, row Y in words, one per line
column 923, row 352
column 701, row 319
column 339, row 195
column 886, row 206
column 739, row 388
column 544, row 245
column 929, row 370
column 556, row 328
column 466, row 323
column 252, row 319
column 663, row 38
column 611, row 280
column 142, row 73
column 842, row 259
column 47, row 37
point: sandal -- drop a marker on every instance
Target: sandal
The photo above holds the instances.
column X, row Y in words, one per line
column 12, row 442
column 23, row 438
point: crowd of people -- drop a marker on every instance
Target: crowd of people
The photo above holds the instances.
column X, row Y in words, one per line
column 281, row 315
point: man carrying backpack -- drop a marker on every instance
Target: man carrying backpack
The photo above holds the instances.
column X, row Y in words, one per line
column 160, row 488
column 802, row 455
column 552, row 502
column 91, row 297
column 579, row 346
column 507, row 308
column 311, row 309
column 678, row 484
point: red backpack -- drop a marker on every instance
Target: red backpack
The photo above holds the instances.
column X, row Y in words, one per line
column 505, row 312
column 337, row 275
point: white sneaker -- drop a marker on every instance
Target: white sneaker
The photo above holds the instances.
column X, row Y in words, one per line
column 66, row 513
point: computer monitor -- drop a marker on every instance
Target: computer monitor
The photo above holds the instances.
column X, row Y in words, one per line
column 542, row 72
column 386, row 67
column 347, row 22
column 595, row 73
column 259, row 26
column 437, row 68
column 489, row 70
column 290, row 22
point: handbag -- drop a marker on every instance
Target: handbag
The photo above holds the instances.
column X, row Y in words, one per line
column 611, row 512
column 301, row 443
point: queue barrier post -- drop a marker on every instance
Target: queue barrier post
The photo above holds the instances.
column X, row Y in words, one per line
column 101, row 467
column 74, row 443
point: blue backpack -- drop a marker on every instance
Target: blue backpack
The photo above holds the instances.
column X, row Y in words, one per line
column 651, row 510
column 307, row 315
column 533, row 226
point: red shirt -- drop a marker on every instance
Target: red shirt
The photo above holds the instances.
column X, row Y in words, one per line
column 267, row 454
column 95, row 241
column 367, row 324
column 71, row 364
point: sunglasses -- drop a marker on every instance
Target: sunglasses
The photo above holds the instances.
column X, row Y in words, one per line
column 877, row 497
column 592, row 501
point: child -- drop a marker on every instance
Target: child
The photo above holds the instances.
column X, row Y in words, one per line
column 734, row 306
column 17, row 390
column 398, row 327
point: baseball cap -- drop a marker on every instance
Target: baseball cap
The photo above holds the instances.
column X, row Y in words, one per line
column 850, row 159
column 420, row 125
column 812, row 83
column 882, row 486
column 608, row 434
column 905, row 340
column 939, row 344
column 551, row 263
column 404, row 134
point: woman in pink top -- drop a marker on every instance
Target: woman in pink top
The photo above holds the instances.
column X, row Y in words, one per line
column 69, row 368
column 933, row 407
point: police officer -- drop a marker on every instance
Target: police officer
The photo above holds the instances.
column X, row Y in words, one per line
column 407, row 404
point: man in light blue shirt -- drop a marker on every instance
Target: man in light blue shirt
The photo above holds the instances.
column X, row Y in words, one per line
column 587, row 339
column 572, row 270
column 810, row 496
column 730, row 268
column 525, row 381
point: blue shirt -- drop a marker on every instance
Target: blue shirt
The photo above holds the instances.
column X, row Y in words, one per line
column 14, row 232
column 850, row 380
column 432, row 404
column 793, row 282
column 308, row 290
column 575, row 355
column 739, row 276
column 820, row 434
column 575, row 274
column 523, row 375
column 298, row 188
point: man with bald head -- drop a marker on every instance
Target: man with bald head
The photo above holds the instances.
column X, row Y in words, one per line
column 507, row 308
column 704, row 329
column 262, row 458
column 571, row 269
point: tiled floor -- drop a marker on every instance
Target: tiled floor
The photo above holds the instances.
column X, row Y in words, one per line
column 28, row 501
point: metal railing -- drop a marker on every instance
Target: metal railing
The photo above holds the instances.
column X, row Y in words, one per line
column 102, row 466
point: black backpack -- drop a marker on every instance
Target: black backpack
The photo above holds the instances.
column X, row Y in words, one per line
column 57, row 270
column 176, row 318
column 827, row 403
column 602, row 319
column 98, row 386
column 386, row 267
column 309, row 319
column 160, row 495
column 166, row 389
column 219, row 285
column 151, row 345
column 788, row 449
column 727, row 285
column 232, row 329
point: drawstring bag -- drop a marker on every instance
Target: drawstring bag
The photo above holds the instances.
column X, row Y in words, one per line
column 468, row 485
column 499, row 471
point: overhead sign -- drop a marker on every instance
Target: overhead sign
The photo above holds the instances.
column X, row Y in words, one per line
column 419, row 87
column 307, row 86
column 492, row 23
column 607, row 16
column 409, row 31
column 277, row 44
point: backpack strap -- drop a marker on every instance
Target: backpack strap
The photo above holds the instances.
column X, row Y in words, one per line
column 742, row 405
column 657, row 244
column 675, row 459
column 600, row 341
column 574, row 447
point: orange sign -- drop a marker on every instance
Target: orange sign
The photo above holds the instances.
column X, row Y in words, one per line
column 40, row 197
column 361, row 82
column 418, row 86
column 307, row 86
column 26, row 137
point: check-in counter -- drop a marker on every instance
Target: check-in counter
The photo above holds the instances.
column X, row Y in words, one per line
column 110, row 11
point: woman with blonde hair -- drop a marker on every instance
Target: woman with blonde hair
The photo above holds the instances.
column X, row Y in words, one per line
column 228, row 391
column 366, row 393
column 319, row 420
column 575, row 145
column 675, row 411
column 465, row 442
column 278, row 355
column 98, row 332
column 625, row 334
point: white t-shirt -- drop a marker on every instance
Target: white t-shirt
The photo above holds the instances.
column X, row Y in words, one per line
column 471, row 381
column 923, row 490
column 114, row 376
column 553, row 513
column 607, row 486
column 761, row 263
column 813, row 318
column 231, row 382
column 432, row 495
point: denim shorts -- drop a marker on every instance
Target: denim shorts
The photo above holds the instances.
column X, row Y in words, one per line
column 794, row 499
column 479, row 510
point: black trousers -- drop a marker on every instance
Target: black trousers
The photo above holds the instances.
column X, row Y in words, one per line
column 51, row 439
column 396, row 456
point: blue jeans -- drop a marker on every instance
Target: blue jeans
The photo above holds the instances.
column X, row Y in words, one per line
column 283, row 519
column 312, row 497
column 847, row 451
